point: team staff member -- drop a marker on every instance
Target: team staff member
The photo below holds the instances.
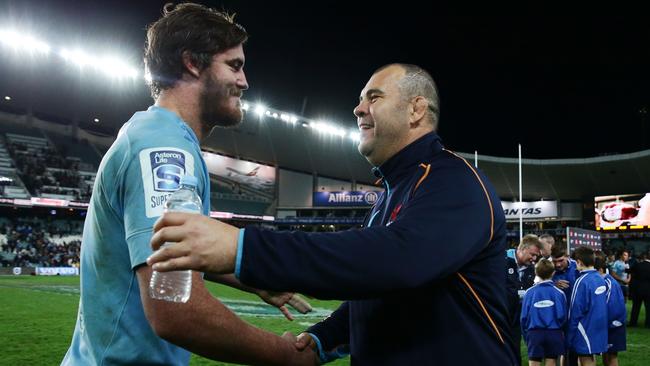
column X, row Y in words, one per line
column 424, row 278
column 520, row 267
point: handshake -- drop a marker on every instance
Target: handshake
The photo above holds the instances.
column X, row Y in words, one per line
column 206, row 245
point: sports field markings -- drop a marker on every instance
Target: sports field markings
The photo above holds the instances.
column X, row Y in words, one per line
column 251, row 308
column 261, row 309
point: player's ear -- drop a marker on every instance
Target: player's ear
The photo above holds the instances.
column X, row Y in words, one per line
column 190, row 64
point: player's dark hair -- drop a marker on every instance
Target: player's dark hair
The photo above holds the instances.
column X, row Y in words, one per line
column 558, row 251
column 585, row 255
column 200, row 31
column 601, row 261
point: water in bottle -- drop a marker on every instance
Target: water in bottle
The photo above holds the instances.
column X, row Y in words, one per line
column 176, row 286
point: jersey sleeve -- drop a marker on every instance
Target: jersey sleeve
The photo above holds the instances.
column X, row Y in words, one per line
column 151, row 174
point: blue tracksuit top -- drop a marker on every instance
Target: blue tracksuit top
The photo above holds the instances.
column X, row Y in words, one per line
column 544, row 307
column 587, row 330
column 616, row 312
column 424, row 279
column 569, row 274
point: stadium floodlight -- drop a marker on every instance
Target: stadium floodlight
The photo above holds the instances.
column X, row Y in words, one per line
column 274, row 115
column 260, row 109
column 115, row 68
column 325, row 127
column 22, row 42
column 76, row 57
column 289, row 118
column 355, row 136
column 111, row 66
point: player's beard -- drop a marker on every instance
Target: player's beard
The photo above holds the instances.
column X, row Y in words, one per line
column 216, row 106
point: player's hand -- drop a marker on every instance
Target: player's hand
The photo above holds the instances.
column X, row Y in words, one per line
column 304, row 340
column 311, row 358
column 562, row 284
column 280, row 299
column 201, row 244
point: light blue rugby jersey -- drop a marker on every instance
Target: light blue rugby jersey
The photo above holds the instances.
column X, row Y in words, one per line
column 137, row 174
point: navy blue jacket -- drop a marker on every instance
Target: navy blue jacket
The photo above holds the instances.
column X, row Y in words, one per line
column 515, row 287
column 424, row 279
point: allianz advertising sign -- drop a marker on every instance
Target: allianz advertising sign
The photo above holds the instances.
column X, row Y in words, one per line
column 345, row 198
column 529, row 210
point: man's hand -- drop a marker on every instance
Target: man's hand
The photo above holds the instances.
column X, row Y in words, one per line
column 304, row 340
column 201, row 244
column 303, row 343
column 280, row 299
column 562, row 284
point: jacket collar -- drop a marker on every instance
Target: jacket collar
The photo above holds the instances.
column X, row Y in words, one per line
column 405, row 161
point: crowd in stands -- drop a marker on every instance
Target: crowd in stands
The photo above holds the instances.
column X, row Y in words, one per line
column 32, row 168
column 32, row 243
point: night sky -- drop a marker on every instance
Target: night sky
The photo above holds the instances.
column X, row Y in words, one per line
column 563, row 83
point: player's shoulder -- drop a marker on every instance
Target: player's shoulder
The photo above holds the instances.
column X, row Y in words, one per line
column 158, row 127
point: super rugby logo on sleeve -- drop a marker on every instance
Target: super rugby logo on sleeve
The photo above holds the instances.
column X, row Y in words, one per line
column 162, row 169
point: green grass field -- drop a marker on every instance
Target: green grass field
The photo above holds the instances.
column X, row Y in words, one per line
column 37, row 317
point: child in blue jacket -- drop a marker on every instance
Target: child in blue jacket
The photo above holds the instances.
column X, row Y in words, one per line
column 543, row 315
column 616, row 314
column 587, row 324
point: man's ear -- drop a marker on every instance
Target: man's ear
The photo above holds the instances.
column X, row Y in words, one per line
column 190, row 67
column 418, row 108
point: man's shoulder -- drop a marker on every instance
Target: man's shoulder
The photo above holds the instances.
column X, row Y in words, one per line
column 144, row 135
column 619, row 264
column 154, row 128
column 448, row 164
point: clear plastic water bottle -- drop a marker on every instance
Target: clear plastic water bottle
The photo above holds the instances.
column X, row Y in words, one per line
column 176, row 286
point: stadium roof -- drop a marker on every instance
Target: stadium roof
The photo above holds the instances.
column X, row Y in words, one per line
column 300, row 148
